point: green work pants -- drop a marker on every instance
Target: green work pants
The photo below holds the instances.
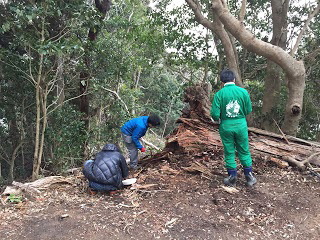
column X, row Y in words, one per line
column 234, row 136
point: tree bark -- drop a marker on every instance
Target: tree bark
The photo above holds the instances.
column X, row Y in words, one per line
column 38, row 122
column 294, row 70
column 44, row 125
column 60, row 81
column 12, row 160
column 271, row 94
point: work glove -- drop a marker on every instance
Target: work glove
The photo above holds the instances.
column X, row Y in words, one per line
column 143, row 149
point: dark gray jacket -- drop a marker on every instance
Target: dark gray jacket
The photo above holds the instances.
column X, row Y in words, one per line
column 109, row 167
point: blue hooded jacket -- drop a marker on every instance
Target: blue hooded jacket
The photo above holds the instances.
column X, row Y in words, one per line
column 109, row 167
column 136, row 128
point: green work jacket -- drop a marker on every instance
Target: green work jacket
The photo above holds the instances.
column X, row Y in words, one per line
column 231, row 103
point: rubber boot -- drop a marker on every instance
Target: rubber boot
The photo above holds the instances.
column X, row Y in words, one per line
column 231, row 179
column 251, row 180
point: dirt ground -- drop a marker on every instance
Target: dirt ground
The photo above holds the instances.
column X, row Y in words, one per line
column 171, row 203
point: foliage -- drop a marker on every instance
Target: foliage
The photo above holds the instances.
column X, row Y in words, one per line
column 63, row 139
column 14, row 198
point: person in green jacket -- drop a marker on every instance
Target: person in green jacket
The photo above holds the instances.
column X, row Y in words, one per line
column 231, row 105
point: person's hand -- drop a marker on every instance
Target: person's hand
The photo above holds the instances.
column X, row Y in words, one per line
column 143, row 149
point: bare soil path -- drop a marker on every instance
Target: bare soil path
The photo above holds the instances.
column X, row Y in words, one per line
column 285, row 204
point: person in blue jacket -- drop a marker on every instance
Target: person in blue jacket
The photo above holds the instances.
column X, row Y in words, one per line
column 132, row 131
column 107, row 170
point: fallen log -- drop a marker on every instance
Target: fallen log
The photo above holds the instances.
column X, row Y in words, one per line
column 32, row 189
column 280, row 163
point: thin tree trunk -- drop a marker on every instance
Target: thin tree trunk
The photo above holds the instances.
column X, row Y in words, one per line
column 44, row 125
column 38, row 110
column 167, row 118
column 10, row 172
column 12, row 160
column 60, row 81
column 206, row 68
column 38, row 123
column 137, row 78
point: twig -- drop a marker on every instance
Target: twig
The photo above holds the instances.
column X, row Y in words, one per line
column 154, row 191
column 310, row 158
column 300, row 164
column 2, row 202
column 117, row 95
column 124, row 205
column 285, row 138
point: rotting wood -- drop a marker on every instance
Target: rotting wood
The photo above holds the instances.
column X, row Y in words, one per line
column 280, row 163
column 231, row 190
column 32, row 189
column 198, row 167
column 26, row 188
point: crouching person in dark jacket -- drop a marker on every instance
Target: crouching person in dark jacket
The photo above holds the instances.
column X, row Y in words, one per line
column 107, row 170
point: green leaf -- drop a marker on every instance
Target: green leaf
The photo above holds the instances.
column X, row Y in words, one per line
column 6, row 27
column 29, row 17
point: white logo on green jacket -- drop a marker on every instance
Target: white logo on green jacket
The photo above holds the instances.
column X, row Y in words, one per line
column 233, row 109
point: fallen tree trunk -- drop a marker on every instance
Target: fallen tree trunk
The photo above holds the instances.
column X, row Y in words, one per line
column 198, row 135
column 298, row 152
column 32, row 189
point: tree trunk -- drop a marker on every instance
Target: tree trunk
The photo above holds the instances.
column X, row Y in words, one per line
column 36, row 163
column 15, row 142
column 296, row 86
column 103, row 6
column 60, row 81
column 217, row 28
column 38, row 124
column 44, row 125
column 271, row 94
column 12, row 160
column 10, row 172
column 294, row 70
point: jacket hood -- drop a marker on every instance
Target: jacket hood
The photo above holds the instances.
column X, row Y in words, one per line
column 110, row 147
